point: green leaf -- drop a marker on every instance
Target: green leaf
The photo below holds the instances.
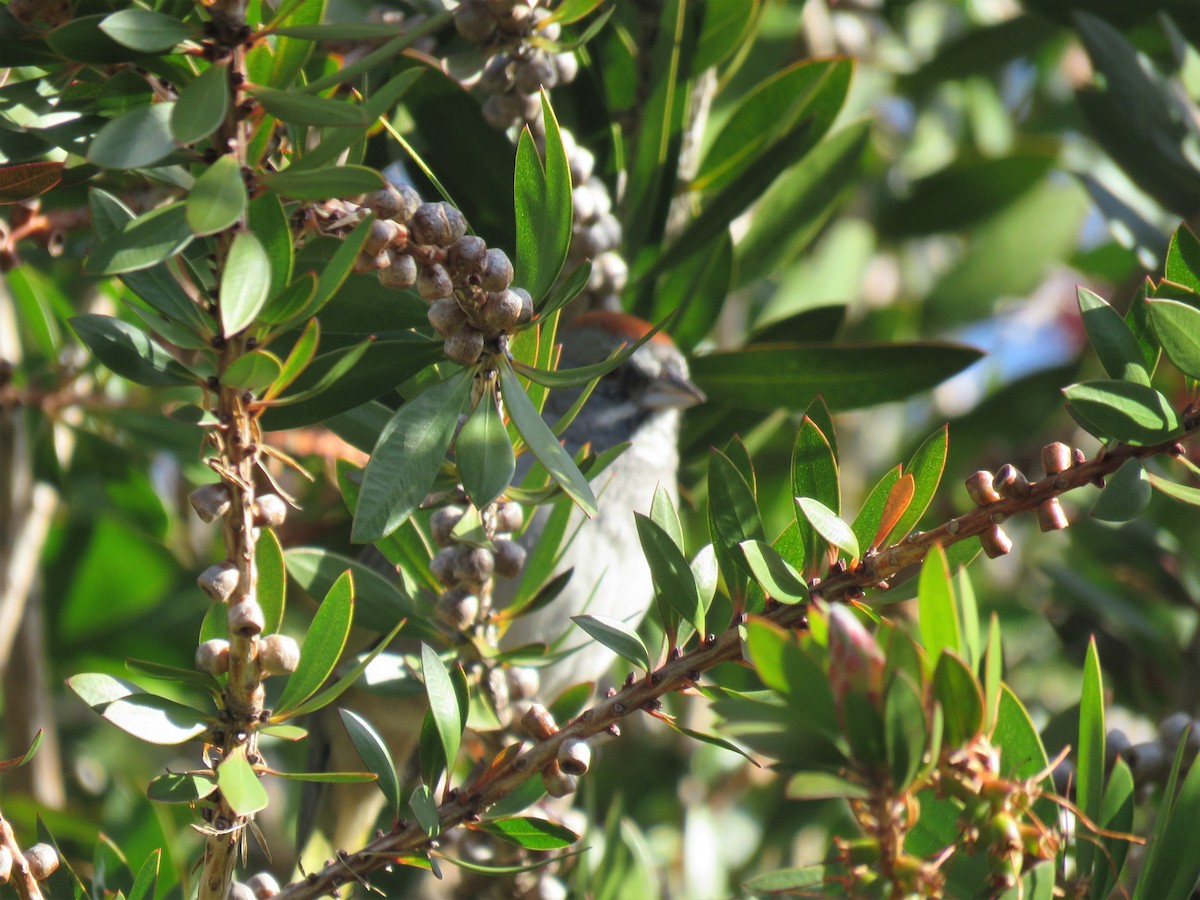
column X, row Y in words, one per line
column 140, row 29
column 155, row 719
column 29, row 180
column 253, row 371
column 829, row 526
column 957, row 690
column 1183, row 259
column 543, row 206
column 782, row 881
column 344, row 682
column 617, row 637
column 733, row 517
column 1116, row 814
column 284, row 732
column 17, row 761
column 905, row 730
column 136, row 140
column 823, row 786
column 1180, row 492
column 322, row 647
column 1177, row 327
column 846, row 376
column 424, row 809
column 1021, row 752
column 1171, row 870
column 268, row 221
column 180, row 787
column 814, row 473
column 302, row 109
column 542, row 442
column 1131, row 413
column 323, row 184
column 1090, row 787
column 375, row 756
column 776, row 576
column 240, row 785
column 129, row 351
column 669, row 569
column 443, row 703
column 407, row 457
column 245, row 281
column 332, row 276
column 1126, row 493
column 870, row 514
column 218, row 199
column 143, row 242
column 1111, row 338
column 484, row 453
column 531, row 833
column 202, row 105
column 200, row 681
column 926, row 467
column 272, row 579
column 937, row 609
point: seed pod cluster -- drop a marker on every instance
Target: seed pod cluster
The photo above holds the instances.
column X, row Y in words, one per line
column 464, row 569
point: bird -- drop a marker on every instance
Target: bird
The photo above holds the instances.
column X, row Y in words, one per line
column 639, row 403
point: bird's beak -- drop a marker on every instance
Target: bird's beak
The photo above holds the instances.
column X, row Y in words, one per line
column 671, row 391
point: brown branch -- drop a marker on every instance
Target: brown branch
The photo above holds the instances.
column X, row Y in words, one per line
column 468, row 804
column 21, row 878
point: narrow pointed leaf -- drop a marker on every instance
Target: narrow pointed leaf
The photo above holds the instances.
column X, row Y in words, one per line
column 202, row 105
column 322, row 647
column 244, row 283
column 669, row 569
column 218, row 199
column 443, row 703
column 375, row 756
column 484, row 453
column 776, row 576
column 130, row 352
column 531, row 833
column 180, row 787
column 240, row 785
column 829, row 526
column 617, row 637
column 937, row 610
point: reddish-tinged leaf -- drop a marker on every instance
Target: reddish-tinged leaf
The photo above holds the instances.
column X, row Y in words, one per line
column 28, row 180
column 897, row 503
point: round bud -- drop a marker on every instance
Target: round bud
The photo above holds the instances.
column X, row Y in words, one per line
column 213, row 657
column 510, row 557
column 979, row 488
column 278, row 654
column 210, row 501
column 534, row 73
column 574, row 756
column 607, row 232
column 371, row 262
column 474, row 21
column 433, row 282
column 500, row 313
column 585, row 243
column 437, row 223
column 410, row 201
column 263, row 884
column 1147, row 761
column 496, row 78
column 1056, row 458
column 269, row 510
column 465, row 347
column 385, row 202
column 557, row 782
column 582, row 161
column 550, row 31
column 1171, row 729
column 526, row 312
column 516, row 19
column 400, row 273
column 509, row 516
column 42, row 860
column 442, row 522
column 219, row 581
column 468, row 255
column 567, row 65
column 458, row 608
column 523, row 682
column 497, row 271
column 583, row 203
column 442, row 565
column 1115, row 744
column 383, row 233
column 609, row 273
column 240, row 891
column 245, row 618
column 475, row 564
column 446, row 316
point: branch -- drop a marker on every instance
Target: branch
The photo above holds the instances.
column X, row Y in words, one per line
column 26, row 885
column 467, row 805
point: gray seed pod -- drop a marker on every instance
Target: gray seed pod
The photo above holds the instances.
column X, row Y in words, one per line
column 474, row 21
column 270, row 510
column 245, row 618
column 586, row 241
column 1171, row 729
column 410, row 200
column 433, row 282
column 551, row 31
column 210, row 501
column 240, row 891
column 468, row 255
column 500, row 313
column 567, row 65
column 510, row 557
column 517, row 19
column 213, row 657
column 442, row 522
column 531, row 107
column 510, row 516
column 1147, row 761
column 497, row 271
column 383, row 233
column 442, row 564
column 385, row 202
column 219, row 581
column 278, row 654
column 367, row 262
column 538, row 723
column 549, row 888
column 609, row 273
column 500, row 112
column 437, row 223
column 557, row 782
column 526, row 299
column 1116, row 743
column 263, row 884
column 465, row 347
column 582, row 161
column 608, row 231
column 6, row 863
column 42, row 860
column 583, row 202
column 536, row 72
column 458, row 608
column 476, row 564
column 496, row 78
column 446, row 316
column 400, row 273
column 574, row 756
column 523, row 682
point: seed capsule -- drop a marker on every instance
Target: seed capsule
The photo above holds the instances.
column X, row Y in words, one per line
column 523, row 682
column 557, row 782
column 495, row 78
column 500, row 313
column 442, row 564
column 980, row 490
column 535, row 73
column 510, row 558
column 219, row 581
column 410, row 201
column 567, row 65
column 1056, row 458
column 263, row 884
column 270, row 510
column 574, row 756
column 442, row 522
column 385, row 202
column 509, row 516
column 474, row 22
column 433, row 282
column 371, row 262
column 1050, row 516
column 458, row 608
column 382, row 234
column 400, row 273
column 465, row 347
column 468, row 255
column 526, row 313
column 278, row 654
column 210, row 501
column 245, row 618
column 995, row 542
column 446, row 316
column 213, row 657
column 497, row 271
column 437, row 223
column 538, row 722
column 476, row 564
column 1010, row 482
column 42, row 860
column 241, row 891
